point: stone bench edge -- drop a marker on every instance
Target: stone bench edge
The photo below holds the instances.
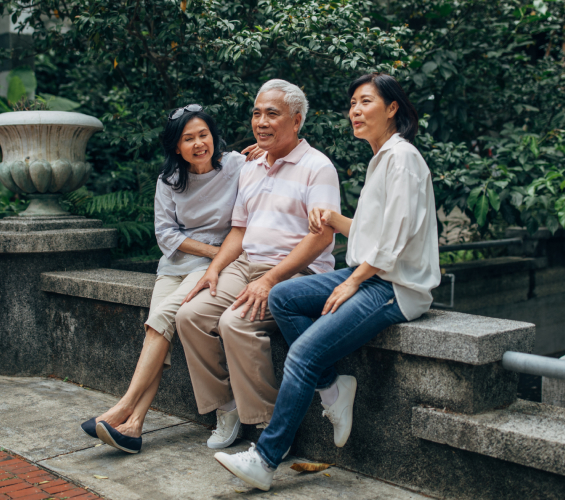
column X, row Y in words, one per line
column 437, row 334
column 513, row 434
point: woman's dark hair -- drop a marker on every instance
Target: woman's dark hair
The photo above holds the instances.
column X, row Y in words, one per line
column 174, row 162
column 389, row 90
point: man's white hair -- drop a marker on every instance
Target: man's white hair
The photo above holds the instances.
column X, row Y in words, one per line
column 294, row 97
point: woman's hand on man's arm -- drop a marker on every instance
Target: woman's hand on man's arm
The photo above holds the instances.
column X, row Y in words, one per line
column 349, row 287
column 319, row 217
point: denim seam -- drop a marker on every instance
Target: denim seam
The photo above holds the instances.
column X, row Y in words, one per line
column 331, row 346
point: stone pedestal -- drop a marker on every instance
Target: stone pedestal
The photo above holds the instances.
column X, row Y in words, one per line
column 28, row 247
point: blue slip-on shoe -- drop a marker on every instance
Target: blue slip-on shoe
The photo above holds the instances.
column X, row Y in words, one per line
column 89, row 427
column 116, row 439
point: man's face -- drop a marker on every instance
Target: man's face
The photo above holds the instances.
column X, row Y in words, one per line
column 273, row 125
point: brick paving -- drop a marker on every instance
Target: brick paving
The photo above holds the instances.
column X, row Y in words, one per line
column 21, row 480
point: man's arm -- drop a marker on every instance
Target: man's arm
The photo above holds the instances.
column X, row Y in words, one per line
column 256, row 293
column 229, row 251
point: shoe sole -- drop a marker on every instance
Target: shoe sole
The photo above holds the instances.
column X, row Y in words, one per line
column 241, row 475
column 108, row 439
column 229, row 442
column 95, row 437
column 350, row 411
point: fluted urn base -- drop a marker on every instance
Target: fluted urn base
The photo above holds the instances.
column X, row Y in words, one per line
column 44, row 205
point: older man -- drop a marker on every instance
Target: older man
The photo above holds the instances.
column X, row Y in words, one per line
column 269, row 243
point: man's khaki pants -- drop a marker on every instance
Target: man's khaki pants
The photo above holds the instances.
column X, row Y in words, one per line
column 200, row 324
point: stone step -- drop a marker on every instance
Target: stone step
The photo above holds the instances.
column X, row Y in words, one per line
column 526, row 433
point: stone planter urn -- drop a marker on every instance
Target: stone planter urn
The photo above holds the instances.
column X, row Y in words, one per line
column 43, row 155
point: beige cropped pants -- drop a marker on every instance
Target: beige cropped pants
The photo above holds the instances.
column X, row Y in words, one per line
column 200, row 324
column 168, row 294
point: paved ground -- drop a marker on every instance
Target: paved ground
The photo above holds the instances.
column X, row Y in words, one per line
column 40, row 418
column 23, row 481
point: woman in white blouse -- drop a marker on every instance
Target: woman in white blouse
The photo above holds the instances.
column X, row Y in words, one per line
column 393, row 260
column 196, row 191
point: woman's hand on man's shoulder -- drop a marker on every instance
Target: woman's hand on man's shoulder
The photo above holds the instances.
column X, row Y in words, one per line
column 253, row 152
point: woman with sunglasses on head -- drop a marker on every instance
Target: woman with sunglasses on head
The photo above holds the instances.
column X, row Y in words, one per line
column 196, row 191
column 393, row 264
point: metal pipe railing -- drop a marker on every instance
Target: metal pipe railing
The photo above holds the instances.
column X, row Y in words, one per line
column 481, row 244
column 533, row 364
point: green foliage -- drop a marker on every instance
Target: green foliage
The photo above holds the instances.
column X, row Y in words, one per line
column 128, row 209
column 446, row 258
column 21, row 84
column 10, row 204
column 487, row 78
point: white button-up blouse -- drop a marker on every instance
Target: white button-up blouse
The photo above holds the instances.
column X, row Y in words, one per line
column 394, row 227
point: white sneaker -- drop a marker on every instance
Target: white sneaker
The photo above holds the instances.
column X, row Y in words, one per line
column 340, row 414
column 247, row 465
column 226, row 430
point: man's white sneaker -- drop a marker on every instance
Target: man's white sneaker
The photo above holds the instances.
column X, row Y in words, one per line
column 247, row 465
column 340, row 414
column 226, row 430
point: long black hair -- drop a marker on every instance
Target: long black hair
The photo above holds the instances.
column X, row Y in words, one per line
column 389, row 90
column 174, row 162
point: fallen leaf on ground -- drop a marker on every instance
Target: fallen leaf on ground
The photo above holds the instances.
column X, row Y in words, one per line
column 327, row 475
column 97, row 445
column 43, row 482
column 308, row 467
column 100, row 477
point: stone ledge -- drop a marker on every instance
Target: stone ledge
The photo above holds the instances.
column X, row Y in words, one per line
column 475, row 340
column 62, row 240
column 110, row 285
column 453, row 336
column 38, row 223
column 526, row 433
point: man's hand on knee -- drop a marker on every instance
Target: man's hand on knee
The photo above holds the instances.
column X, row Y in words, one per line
column 209, row 280
column 255, row 296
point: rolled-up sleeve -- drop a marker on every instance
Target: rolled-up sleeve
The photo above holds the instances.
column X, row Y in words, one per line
column 404, row 207
column 167, row 229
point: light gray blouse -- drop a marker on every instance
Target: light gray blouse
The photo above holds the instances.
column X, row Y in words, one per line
column 203, row 213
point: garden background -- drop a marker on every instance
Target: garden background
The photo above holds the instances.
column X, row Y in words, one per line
column 487, row 78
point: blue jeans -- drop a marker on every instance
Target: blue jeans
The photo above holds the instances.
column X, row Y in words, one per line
column 316, row 345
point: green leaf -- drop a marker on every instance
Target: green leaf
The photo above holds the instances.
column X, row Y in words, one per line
column 4, row 108
column 59, row 103
column 474, row 196
column 516, row 198
column 16, row 90
column 481, row 210
column 534, row 147
column 493, row 199
column 27, row 77
column 429, row 67
column 552, row 224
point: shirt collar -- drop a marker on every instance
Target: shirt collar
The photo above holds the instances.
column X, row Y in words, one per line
column 393, row 141
column 293, row 157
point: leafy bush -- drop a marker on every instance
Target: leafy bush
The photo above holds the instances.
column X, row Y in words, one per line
column 486, row 77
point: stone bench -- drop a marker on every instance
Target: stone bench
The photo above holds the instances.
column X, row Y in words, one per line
column 424, row 386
